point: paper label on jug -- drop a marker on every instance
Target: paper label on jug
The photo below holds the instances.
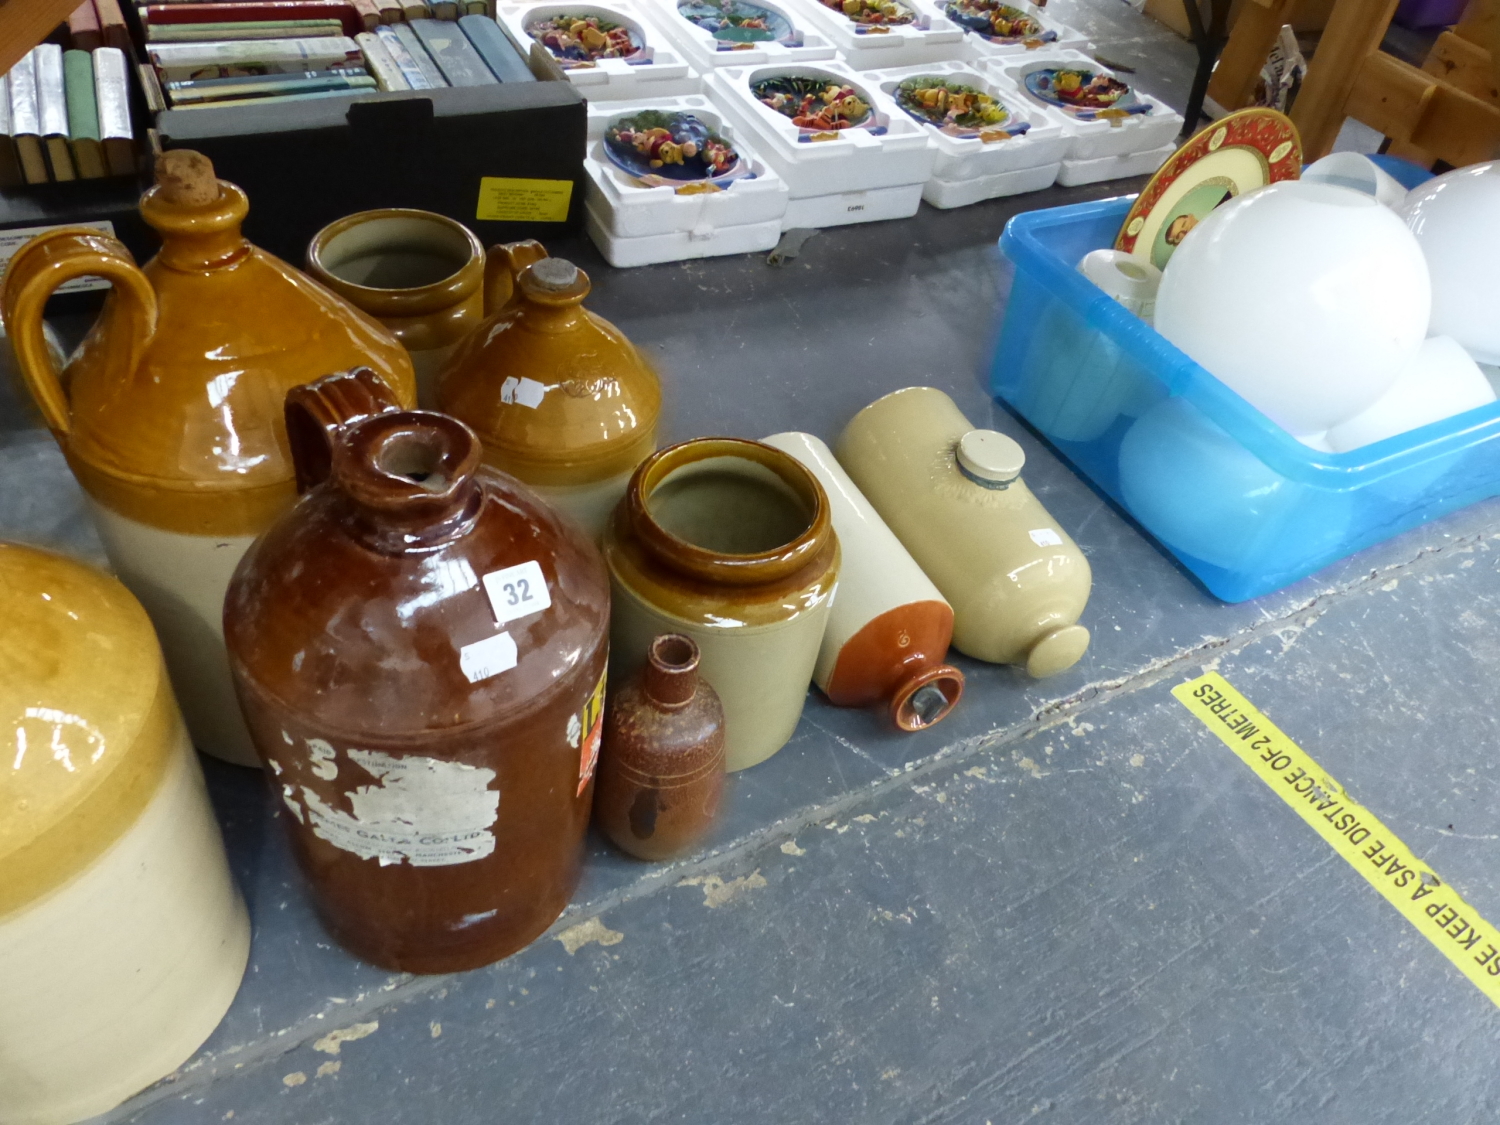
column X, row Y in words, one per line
column 517, row 591
column 421, row 811
column 522, row 392
column 590, row 720
column 488, row 657
column 1046, row 537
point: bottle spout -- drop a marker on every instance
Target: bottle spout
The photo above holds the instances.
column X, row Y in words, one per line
column 927, row 697
column 1057, row 651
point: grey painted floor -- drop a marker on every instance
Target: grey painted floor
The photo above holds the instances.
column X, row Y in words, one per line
column 1069, row 902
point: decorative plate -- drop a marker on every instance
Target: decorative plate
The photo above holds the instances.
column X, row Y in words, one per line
column 1086, row 94
column 679, row 148
column 956, row 109
column 581, row 40
column 735, row 22
column 1236, row 154
column 873, row 13
column 999, row 23
column 815, row 105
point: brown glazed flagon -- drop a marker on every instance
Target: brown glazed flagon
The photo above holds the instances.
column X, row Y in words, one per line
column 432, row 735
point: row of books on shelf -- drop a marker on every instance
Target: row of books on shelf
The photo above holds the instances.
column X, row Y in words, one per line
column 65, row 115
column 367, row 14
column 308, row 61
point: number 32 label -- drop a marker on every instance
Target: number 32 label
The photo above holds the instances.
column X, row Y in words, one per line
column 517, row 591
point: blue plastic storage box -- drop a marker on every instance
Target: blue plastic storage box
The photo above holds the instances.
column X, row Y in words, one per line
column 1241, row 503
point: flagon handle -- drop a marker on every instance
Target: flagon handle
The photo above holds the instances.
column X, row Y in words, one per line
column 316, row 412
column 502, row 265
column 36, row 272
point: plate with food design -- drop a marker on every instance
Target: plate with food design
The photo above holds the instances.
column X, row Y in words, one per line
column 584, row 38
column 867, row 15
column 817, row 104
column 735, row 24
column 1085, row 93
column 662, row 148
column 1004, row 24
column 956, row 108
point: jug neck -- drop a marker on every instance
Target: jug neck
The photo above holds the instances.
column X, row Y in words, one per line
column 198, row 236
column 670, row 679
column 551, row 295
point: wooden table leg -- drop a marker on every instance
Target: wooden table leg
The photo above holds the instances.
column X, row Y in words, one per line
column 1355, row 29
column 1250, row 43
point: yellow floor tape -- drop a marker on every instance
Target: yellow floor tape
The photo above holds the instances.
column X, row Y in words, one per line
column 1437, row 911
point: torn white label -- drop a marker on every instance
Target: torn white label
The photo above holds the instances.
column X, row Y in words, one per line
column 1046, row 537
column 423, row 812
column 517, row 591
column 522, row 392
column 488, row 657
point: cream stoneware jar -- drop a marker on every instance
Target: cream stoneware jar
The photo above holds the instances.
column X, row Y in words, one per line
column 122, row 936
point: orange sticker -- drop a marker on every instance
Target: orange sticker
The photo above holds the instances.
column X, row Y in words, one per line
column 591, row 722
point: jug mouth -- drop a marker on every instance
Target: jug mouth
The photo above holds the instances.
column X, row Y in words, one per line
column 342, row 256
column 927, row 698
column 727, row 510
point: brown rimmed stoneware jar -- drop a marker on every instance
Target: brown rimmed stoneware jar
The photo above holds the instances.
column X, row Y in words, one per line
column 661, row 771
column 170, row 412
column 420, row 649
column 728, row 542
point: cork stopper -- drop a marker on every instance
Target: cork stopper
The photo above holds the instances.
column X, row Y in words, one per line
column 186, row 178
column 555, row 275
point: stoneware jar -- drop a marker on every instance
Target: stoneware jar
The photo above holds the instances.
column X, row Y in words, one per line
column 954, row 497
column 559, row 397
column 122, row 936
column 170, row 413
column 420, row 649
column 728, row 542
column 889, row 629
column 420, row 274
column 661, row 770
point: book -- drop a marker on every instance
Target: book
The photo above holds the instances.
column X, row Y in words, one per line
column 248, row 29
column 420, row 57
column 444, row 9
column 83, row 116
column 52, row 111
column 416, row 10
column 416, row 77
column 379, row 63
column 474, row 7
column 263, row 86
column 495, row 48
column 369, row 12
column 112, row 27
column 112, row 95
column 391, row 11
column 176, row 62
column 235, row 11
column 156, row 101
column 275, row 99
column 454, row 54
column 83, row 27
column 10, row 163
column 26, row 120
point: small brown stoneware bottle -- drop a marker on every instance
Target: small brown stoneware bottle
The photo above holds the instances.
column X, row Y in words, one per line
column 170, row 411
column 559, row 397
column 419, row 650
column 661, row 773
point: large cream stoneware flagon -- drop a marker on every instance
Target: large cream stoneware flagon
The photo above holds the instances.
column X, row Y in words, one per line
column 170, row 413
column 954, row 497
column 122, row 937
column 728, row 542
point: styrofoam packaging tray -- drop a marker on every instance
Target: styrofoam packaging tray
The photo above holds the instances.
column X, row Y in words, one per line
column 843, row 208
column 679, row 246
column 961, row 193
column 977, row 46
column 850, row 160
column 1075, row 173
column 965, row 158
column 932, row 37
column 1091, row 139
column 703, row 52
column 662, row 72
column 626, row 209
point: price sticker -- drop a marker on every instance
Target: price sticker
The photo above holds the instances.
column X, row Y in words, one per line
column 488, row 657
column 517, row 591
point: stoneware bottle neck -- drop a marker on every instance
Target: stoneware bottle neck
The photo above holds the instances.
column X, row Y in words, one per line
column 198, row 236
column 409, row 476
column 552, row 292
column 670, row 679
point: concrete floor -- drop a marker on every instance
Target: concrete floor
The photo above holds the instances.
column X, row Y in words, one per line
column 1069, row 902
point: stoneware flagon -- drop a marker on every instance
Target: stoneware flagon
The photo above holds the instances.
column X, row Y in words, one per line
column 661, row 769
column 420, row 274
column 122, row 936
column 420, row 649
column 954, row 497
column 170, row 412
column 889, row 629
column 730, row 543
column 559, row 397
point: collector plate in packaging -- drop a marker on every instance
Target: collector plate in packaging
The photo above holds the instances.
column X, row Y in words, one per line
column 608, row 51
column 873, row 34
column 715, row 33
column 995, row 28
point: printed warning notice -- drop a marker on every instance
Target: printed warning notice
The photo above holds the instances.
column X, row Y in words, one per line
column 506, row 200
column 1437, row 911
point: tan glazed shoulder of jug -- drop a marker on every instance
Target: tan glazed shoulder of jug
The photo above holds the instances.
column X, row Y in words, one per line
column 170, row 413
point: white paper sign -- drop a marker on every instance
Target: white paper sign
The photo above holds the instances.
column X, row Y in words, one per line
column 1046, row 537
column 488, row 657
column 517, row 591
column 522, row 392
